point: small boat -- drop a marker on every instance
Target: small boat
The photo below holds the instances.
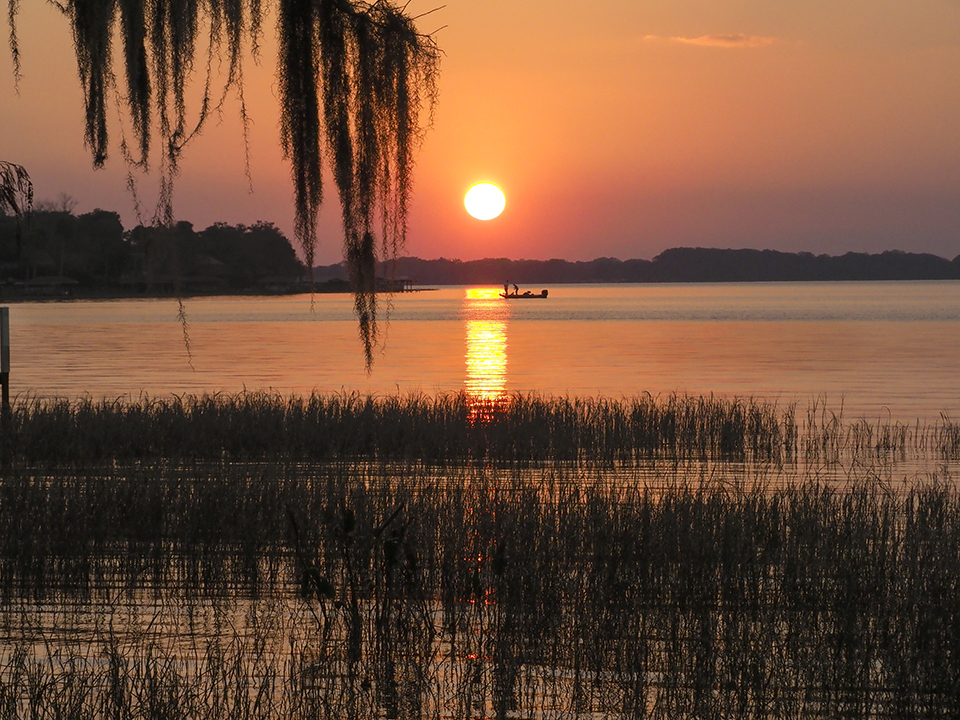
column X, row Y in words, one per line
column 526, row 295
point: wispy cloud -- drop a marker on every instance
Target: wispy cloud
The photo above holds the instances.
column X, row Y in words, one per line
column 721, row 41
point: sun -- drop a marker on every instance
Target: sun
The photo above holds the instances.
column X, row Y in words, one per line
column 484, row 201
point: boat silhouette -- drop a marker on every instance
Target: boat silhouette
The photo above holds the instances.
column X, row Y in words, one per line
column 517, row 295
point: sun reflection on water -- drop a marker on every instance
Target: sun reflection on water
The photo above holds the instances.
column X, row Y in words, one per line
column 486, row 359
column 485, row 315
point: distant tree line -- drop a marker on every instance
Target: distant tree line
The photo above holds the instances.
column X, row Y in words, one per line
column 677, row 265
column 92, row 253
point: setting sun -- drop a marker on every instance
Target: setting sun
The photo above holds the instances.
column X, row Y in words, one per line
column 484, row 201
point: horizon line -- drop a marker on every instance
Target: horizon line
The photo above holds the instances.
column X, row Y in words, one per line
column 654, row 258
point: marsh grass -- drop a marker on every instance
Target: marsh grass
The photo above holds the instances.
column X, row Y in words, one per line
column 579, row 581
column 452, row 429
column 431, row 429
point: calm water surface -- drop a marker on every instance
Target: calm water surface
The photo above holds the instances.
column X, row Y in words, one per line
column 877, row 350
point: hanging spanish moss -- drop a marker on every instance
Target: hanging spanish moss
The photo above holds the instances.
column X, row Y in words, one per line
column 16, row 190
column 13, row 7
column 376, row 73
column 353, row 80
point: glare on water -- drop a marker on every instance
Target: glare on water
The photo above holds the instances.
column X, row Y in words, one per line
column 485, row 314
column 486, row 360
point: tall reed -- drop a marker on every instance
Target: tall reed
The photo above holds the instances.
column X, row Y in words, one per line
column 432, row 429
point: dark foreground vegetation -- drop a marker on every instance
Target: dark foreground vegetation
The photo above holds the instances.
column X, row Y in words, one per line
column 563, row 579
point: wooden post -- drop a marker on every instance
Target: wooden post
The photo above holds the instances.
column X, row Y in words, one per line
column 5, row 358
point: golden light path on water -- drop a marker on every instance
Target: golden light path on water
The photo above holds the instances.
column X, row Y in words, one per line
column 486, row 359
column 486, row 354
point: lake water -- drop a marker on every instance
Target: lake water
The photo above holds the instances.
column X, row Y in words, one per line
column 876, row 350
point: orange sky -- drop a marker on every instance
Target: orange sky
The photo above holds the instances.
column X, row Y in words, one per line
column 618, row 128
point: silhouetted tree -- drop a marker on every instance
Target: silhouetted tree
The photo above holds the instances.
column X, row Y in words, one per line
column 16, row 189
column 250, row 255
column 235, row 256
column 353, row 78
column 89, row 248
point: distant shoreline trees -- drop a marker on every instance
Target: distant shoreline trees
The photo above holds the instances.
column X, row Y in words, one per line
column 92, row 253
column 678, row 265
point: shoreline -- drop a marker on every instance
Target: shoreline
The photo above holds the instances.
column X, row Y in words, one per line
column 329, row 287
